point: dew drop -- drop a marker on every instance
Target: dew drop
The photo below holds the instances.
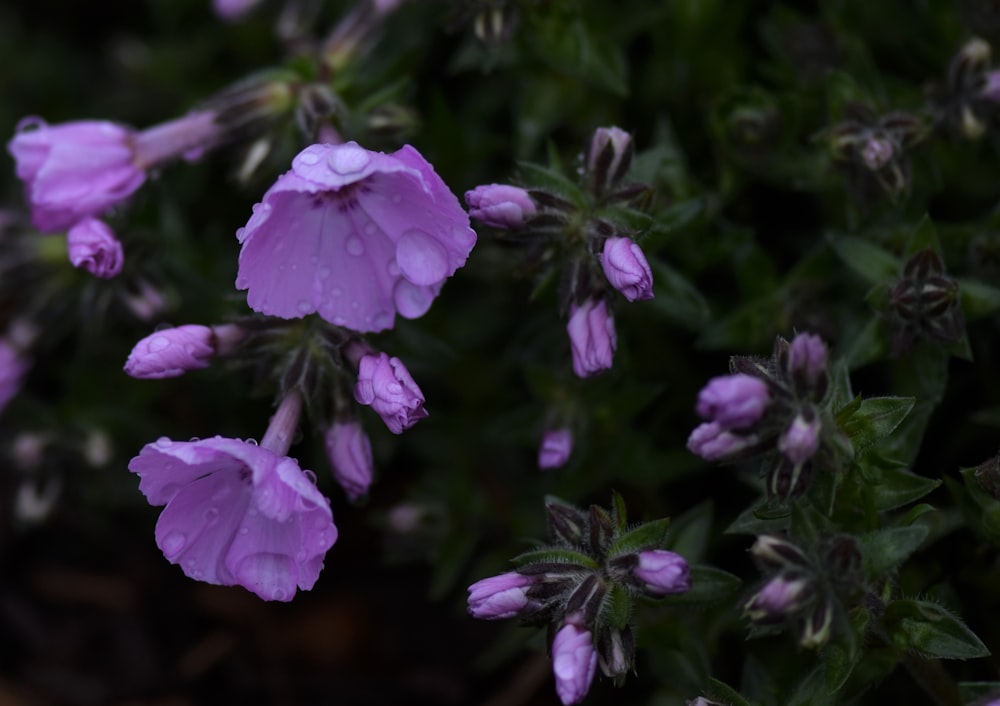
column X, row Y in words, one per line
column 382, row 320
column 370, row 228
column 355, row 305
column 392, row 268
column 311, row 476
column 355, row 246
column 323, row 272
column 190, row 563
column 193, row 439
column 304, row 306
column 158, row 343
column 422, row 259
column 278, row 595
column 336, row 292
column 173, row 543
column 308, row 158
column 394, row 388
column 252, row 442
column 163, row 442
column 244, row 530
column 347, row 159
column 212, row 515
column 339, row 320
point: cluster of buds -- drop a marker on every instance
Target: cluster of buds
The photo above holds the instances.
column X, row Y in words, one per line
column 871, row 150
column 325, row 358
column 801, row 591
column 770, row 406
column 969, row 99
column 594, row 249
column 582, row 587
column 924, row 302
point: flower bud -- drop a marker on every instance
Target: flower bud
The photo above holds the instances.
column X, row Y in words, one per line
column 733, row 401
column 663, row 572
column 787, row 480
column 800, row 440
column 807, row 360
column 627, row 270
column 500, row 205
column 781, row 597
column 592, row 337
column 776, row 552
column 566, row 523
column 386, row 385
column 498, row 597
column 557, row 445
column 713, row 443
column 93, row 247
column 350, row 455
column 877, row 152
column 816, row 628
column 574, row 663
column 171, row 352
column 616, row 651
column 609, row 158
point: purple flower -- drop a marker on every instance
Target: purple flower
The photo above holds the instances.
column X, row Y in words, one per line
column 75, row 170
column 236, row 514
column 807, row 358
column 800, row 440
column 734, row 401
column 557, row 445
column 386, row 385
column 500, row 596
column 12, row 370
column 350, row 454
column 627, row 269
column 500, row 205
column 354, row 235
column 663, row 572
column 713, row 442
column 779, row 598
column 592, row 337
column 233, row 10
column 574, row 662
column 93, row 246
column 171, row 352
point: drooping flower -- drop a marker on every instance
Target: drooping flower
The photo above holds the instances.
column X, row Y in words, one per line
column 386, row 385
column 557, row 445
column 236, row 514
column 350, row 455
column 627, row 269
column 574, row 663
column 501, row 596
column 355, row 236
column 500, row 205
column 171, row 352
column 592, row 337
column 663, row 572
column 74, row 170
column 92, row 246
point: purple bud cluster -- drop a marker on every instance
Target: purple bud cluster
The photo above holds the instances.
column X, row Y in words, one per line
column 599, row 564
column 770, row 407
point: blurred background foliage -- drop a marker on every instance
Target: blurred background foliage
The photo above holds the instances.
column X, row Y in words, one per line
column 756, row 233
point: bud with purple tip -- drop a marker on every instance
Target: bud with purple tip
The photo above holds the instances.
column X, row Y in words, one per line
column 557, row 445
column 733, row 401
column 801, row 439
column 501, row 596
column 386, row 385
column 592, row 337
column 663, row 572
column 574, row 663
column 626, row 268
column 92, row 246
column 350, row 454
column 500, row 205
column 172, row 352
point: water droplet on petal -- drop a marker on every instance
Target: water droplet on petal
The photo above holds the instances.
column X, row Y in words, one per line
column 412, row 300
column 355, row 246
column 422, row 259
column 158, row 343
column 339, row 321
column 193, row 439
column 392, row 268
column 394, row 388
column 381, row 320
column 336, row 292
column 370, row 228
column 163, row 442
column 308, row 158
column 304, row 306
column 252, row 442
column 173, row 543
column 355, row 305
column 278, row 595
column 311, row 476
column 347, row 159
column 211, row 515
column 244, row 530
column 323, row 272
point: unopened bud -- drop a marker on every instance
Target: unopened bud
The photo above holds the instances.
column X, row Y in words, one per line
column 776, row 552
column 816, row 628
column 783, row 596
column 616, row 652
column 609, row 158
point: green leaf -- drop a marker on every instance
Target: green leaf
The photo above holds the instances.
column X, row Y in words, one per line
column 676, row 299
column 617, row 607
column 690, row 532
column 871, row 263
column 891, row 485
column 650, row 535
column 708, row 585
column 539, row 177
column 868, row 345
column 760, row 519
column 875, row 418
column 887, row 548
column 924, row 237
column 720, row 691
column 972, row 690
column 571, row 47
column 978, row 299
column 555, row 555
column 931, row 630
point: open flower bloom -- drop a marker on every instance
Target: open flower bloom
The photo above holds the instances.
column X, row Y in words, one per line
column 355, row 236
column 74, row 170
column 236, row 514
